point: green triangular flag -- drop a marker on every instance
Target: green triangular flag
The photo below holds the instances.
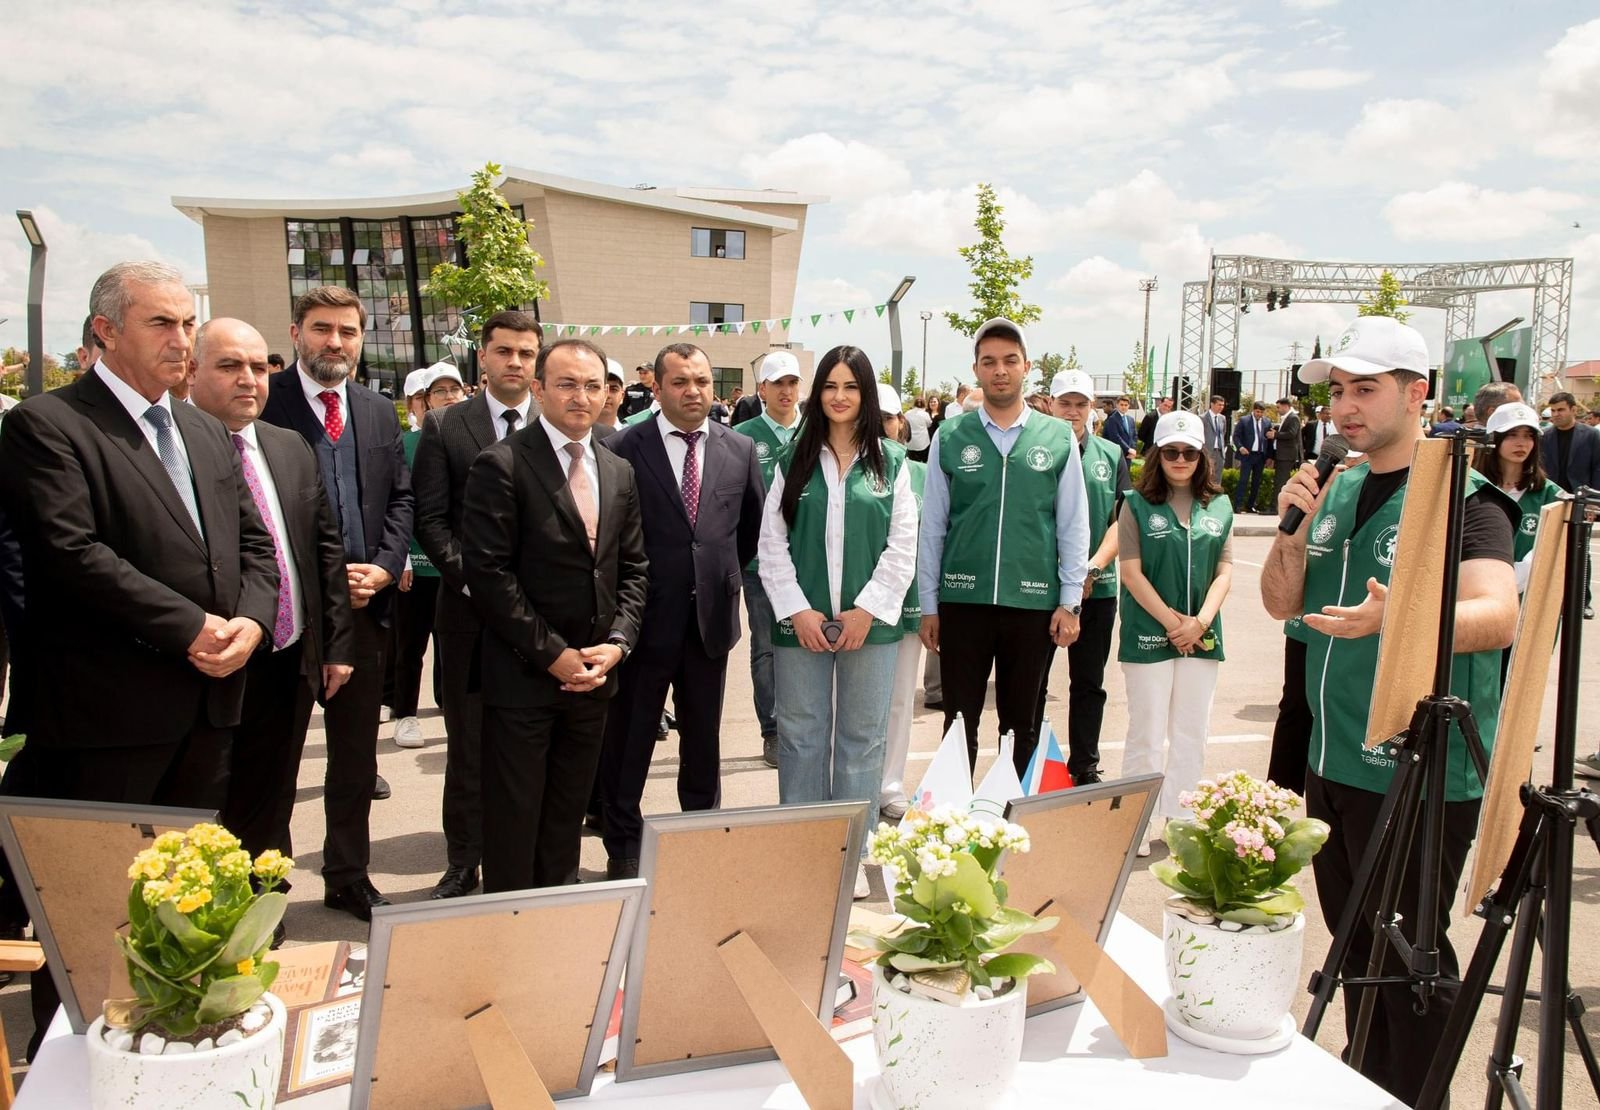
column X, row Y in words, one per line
column 673, row 330
column 618, row 331
column 755, row 326
column 878, row 308
column 786, row 320
column 572, row 329
column 849, row 315
column 550, row 328
column 594, row 329
column 815, row 318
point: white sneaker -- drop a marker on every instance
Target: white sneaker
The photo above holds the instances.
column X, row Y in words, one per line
column 1144, row 849
column 863, row 884
column 385, row 714
column 408, row 733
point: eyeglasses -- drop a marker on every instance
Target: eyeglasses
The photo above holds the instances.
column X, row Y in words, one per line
column 446, row 390
column 568, row 388
column 1180, row 454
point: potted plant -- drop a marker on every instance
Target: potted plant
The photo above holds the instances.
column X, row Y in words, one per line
column 1234, row 929
column 948, row 1003
column 201, row 1031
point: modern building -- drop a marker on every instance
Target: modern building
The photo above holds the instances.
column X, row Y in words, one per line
column 613, row 256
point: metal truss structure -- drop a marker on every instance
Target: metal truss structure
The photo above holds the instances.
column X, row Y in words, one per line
column 1239, row 280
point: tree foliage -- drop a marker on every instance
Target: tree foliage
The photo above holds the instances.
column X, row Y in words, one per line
column 1133, row 375
column 995, row 274
column 1387, row 301
column 1049, row 365
column 501, row 263
column 14, row 372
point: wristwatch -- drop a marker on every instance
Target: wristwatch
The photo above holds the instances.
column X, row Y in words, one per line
column 1073, row 609
column 621, row 644
column 1094, row 574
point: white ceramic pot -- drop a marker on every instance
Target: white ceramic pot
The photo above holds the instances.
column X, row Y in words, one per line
column 933, row 1056
column 1237, row 985
column 239, row 1076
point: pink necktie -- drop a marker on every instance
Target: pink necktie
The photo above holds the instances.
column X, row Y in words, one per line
column 691, row 477
column 283, row 626
column 582, row 492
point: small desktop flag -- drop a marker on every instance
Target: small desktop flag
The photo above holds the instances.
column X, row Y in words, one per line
column 999, row 785
column 1047, row 770
column 948, row 780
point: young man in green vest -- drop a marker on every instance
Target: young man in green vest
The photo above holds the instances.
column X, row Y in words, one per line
column 772, row 429
column 1004, row 546
column 1333, row 573
column 1105, row 479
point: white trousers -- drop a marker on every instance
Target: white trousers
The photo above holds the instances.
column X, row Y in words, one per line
column 1169, row 703
column 902, row 704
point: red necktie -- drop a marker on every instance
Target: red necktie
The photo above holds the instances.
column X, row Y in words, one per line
column 332, row 419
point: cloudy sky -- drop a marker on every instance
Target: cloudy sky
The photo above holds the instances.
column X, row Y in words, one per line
column 1127, row 139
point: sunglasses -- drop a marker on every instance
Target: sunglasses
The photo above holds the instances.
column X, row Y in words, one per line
column 1180, row 454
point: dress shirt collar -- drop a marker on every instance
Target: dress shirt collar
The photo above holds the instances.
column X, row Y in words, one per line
column 668, row 427
column 135, row 402
column 784, row 430
column 248, row 433
column 560, row 439
column 497, row 411
column 1021, row 419
column 314, row 389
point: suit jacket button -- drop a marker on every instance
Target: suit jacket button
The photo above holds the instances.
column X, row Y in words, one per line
column 216, row 568
column 597, row 574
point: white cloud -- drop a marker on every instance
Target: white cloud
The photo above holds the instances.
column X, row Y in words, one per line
column 1144, row 207
column 1459, row 212
column 1406, row 138
column 1320, row 80
column 1308, row 5
column 826, row 294
column 841, row 169
column 1098, row 287
column 1569, row 89
column 937, row 221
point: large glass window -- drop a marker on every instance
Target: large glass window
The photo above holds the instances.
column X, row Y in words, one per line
column 380, row 265
column 433, row 239
column 711, row 242
column 316, row 255
column 715, row 312
column 726, row 379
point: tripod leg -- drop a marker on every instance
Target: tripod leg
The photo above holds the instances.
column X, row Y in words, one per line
column 1383, row 913
column 1503, row 1055
column 1581, row 1036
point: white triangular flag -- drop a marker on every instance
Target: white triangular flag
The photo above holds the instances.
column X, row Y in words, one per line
column 738, row 328
column 1000, row 785
column 948, row 780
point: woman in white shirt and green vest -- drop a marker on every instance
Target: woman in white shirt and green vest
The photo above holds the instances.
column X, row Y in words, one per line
column 838, row 552
column 1176, row 563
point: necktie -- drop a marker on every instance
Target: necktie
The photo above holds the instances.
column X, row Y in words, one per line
column 691, row 476
column 510, row 416
column 582, row 491
column 283, row 626
column 173, row 459
column 332, row 418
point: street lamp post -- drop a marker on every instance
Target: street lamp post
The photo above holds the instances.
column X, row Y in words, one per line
column 895, row 356
column 926, row 316
column 1147, row 286
column 34, row 379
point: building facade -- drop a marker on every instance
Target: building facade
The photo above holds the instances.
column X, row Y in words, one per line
column 613, row 256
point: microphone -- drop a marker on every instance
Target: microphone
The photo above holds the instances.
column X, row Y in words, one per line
column 1334, row 449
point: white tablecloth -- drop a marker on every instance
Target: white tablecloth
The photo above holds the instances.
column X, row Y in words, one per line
column 1070, row 1058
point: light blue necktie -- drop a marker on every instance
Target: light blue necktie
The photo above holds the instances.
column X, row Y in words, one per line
column 175, row 462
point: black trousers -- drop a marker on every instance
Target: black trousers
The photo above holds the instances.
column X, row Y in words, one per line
column 1245, row 493
column 1282, row 471
column 697, row 681
column 1016, row 644
column 1086, row 689
column 265, row 764
column 413, row 624
column 1400, row 1044
column 350, row 720
column 463, row 768
column 539, row 763
column 1291, row 735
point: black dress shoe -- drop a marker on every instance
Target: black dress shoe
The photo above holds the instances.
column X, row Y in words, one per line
column 356, row 899
column 455, row 882
column 622, row 869
column 1088, row 778
column 769, row 751
column 594, row 821
column 380, row 789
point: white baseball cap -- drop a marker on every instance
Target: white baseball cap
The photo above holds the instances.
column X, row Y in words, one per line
column 779, row 364
column 417, row 381
column 998, row 323
column 442, row 370
column 889, row 402
column 1072, row 381
column 1512, row 415
column 1371, row 345
column 1180, row 427
column 614, row 370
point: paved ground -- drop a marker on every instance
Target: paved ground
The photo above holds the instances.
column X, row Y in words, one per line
column 408, row 851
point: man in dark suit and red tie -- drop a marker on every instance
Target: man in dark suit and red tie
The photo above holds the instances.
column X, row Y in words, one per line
column 1251, row 443
column 554, row 559
column 701, row 494
column 355, row 435
column 311, row 637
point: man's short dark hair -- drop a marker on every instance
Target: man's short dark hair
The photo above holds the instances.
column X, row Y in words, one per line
column 1258, row 407
column 562, row 344
column 1404, row 378
column 328, row 296
column 682, row 350
column 90, row 341
column 1215, row 397
column 1491, row 396
column 1562, row 398
column 1285, row 401
column 512, row 319
column 275, row 360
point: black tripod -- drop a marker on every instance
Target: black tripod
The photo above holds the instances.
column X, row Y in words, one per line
column 1413, row 805
column 1535, row 891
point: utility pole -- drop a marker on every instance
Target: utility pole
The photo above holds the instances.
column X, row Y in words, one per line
column 1147, row 286
column 926, row 316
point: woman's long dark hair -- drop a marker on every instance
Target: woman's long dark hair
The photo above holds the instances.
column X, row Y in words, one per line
column 814, row 428
column 1152, row 483
column 1488, row 463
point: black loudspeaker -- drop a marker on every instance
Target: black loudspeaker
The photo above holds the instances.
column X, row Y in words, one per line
column 1505, row 369
column 1225, row 382
column 1297, row 388
column 1433, row 384
column 1182, row 394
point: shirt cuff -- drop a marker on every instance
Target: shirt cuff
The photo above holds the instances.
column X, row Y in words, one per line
column 787, row 601
column 887, row 609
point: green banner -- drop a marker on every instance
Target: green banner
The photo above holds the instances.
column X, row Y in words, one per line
column 1465, row 371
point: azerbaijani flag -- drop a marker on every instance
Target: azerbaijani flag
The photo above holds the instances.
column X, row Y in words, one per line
column 1047, row 770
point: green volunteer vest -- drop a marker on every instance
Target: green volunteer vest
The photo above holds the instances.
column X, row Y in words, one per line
column 868, row 506
column 1340, row 673
column 1000, row 548
column 1102, row 460
column 767, row 447
column 420, row 563
column 639, row 417
column 911, row 611
column 1532, row 502
column 1181, row 564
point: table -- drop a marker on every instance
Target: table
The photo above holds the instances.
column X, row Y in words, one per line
column 1069, row 1056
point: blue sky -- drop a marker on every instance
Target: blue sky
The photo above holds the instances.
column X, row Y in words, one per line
column 1126, row 139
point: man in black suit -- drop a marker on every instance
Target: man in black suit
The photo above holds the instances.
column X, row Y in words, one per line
column 356, row 437
column 303, row 658
column 451, row 439
column 1251, row 444
column 1570, row 451
column 1119, row 427
column 554, row 558
column 1216, row 422
column 1147, row 426
column 1286, row 456
column 701, row 494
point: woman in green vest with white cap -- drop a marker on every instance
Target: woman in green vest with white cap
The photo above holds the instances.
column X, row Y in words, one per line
column 838, row 552
column 1176, row 564
column 1512, row 464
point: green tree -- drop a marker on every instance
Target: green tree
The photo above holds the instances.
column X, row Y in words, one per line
column 14, row 372
column 1387, row 301
column 995, row 274
column 911, row 385
column 1133, row 375
column 1049, row 365
column 501, row 264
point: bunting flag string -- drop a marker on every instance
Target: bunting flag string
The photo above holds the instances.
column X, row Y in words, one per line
column 774, row 324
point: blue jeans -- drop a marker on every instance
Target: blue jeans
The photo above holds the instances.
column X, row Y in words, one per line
column 833, row 714
column 759, row 611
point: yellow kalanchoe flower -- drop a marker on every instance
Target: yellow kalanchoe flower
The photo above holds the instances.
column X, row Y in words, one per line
column 273, row 864
column 235, row 865
column 156, row 891
column 148, row 864
column 193, row 872
column 169, row 842
column 193, row 900
column 213, row 838
column 246, row 966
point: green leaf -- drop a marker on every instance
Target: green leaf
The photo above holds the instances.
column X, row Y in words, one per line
column 908, row 907
column 254, row 930
column 193, row 939
column 915, row 941
column 969, row 884
column 11, row 745
column 1010, row 925
column 1171, row 875
column 180, row 1023
column 959, row 930
column 1018, row 965
column 871, row 941
column 1302, row 839
column 267, row 973
column 228, row 996
column 904, row 961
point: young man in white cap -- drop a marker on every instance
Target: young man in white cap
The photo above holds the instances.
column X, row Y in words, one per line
column 614, row 388
column 1105, row 479
column 772, row 429
column 1332, row 575
column 1004, row 546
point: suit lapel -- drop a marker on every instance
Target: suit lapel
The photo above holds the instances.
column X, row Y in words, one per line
column 713, row 463
column 480, row 425
column 660, row 467
column 534, row 445
column 203, row 460
column 298, row 408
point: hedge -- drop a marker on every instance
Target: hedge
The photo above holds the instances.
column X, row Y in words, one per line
column 1230, row 479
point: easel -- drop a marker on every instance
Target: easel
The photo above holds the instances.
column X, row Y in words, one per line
column 15, row 956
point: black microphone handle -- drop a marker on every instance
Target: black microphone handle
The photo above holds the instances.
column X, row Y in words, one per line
column 1290, row 524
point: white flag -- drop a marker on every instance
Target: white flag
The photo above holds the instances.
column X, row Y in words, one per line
column 1000, row 785
column 948, row 780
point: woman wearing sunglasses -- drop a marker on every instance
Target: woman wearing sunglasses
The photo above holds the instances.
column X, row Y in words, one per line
column 1176, row 564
